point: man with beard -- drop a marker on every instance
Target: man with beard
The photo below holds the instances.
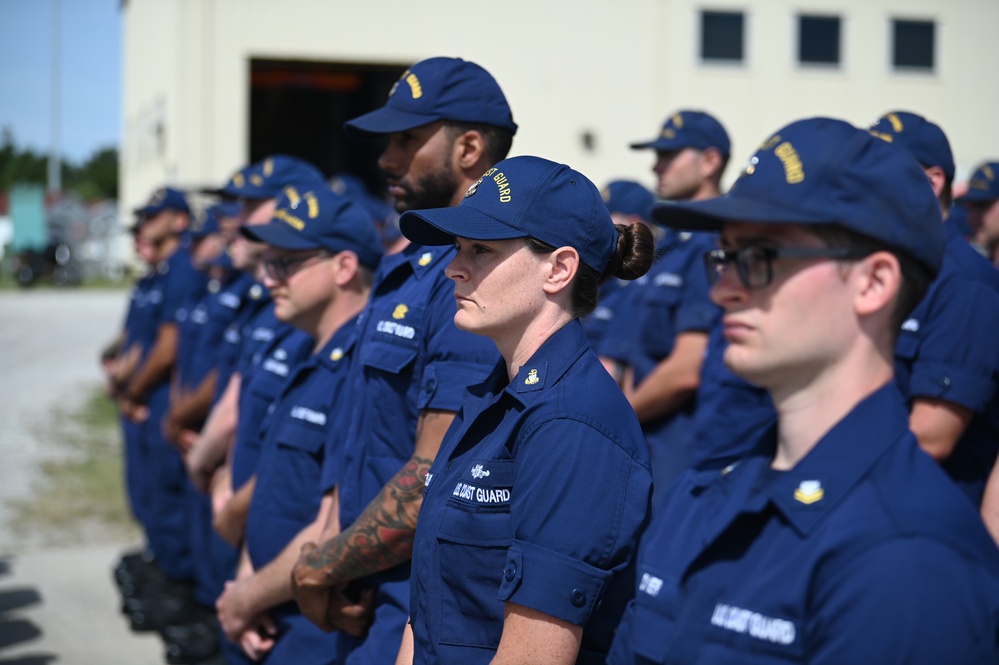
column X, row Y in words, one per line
column 446, row 121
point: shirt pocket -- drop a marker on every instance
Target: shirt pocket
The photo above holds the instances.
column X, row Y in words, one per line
column 294, row 469
column 474, row 535
column 653, row 622
column 658, row 320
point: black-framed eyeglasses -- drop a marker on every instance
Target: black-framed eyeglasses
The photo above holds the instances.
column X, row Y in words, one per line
column 282, row 267
column 755, row 264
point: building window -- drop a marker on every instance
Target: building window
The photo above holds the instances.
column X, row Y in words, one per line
column 913, row 44
column 818, row 40
column 722, row 36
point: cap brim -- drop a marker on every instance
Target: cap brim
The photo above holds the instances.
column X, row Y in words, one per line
column 277, row 234
column 440, row 226
column 977, row 196
column 220, row 192
column 662, row 145
column 712, row 214
column 256, row 193
column 385, row 121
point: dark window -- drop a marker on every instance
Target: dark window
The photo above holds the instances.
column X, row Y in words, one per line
column 913, row 44
column 818, row 40
column 298, row 108
column 721, row 36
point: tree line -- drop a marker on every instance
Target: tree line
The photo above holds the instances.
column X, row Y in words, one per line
column 93, row 179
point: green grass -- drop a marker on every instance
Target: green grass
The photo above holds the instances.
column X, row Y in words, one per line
column 79, row 497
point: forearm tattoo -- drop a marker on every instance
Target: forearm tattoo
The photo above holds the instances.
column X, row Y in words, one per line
column 382, row 537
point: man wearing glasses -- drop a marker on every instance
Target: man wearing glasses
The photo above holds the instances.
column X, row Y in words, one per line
column 837, row 540
column 321, row 253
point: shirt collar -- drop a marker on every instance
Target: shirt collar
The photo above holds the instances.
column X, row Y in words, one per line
column 840, row 460
column 337, row 350
column 824, row 477
column 543, row 370
column 422, row 259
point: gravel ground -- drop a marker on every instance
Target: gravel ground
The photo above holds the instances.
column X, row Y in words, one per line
column 57, row 605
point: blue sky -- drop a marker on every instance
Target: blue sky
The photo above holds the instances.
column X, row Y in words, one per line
column 90, row 74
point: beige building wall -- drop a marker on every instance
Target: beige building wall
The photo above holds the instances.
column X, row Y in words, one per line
column 570, row 68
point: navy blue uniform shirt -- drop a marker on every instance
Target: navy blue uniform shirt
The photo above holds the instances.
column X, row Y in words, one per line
column 731, row 412
column 947, row 350
column 409, row 357
column 288, row 492
column 255, row 298
column 671, row 299
column 865, row 552
column 293, row 452
column 261, row 381
column 537, row 497
column 215, row 314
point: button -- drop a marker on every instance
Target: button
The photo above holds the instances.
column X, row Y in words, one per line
column 944, row 382
column 509, row 573
column 578, row 598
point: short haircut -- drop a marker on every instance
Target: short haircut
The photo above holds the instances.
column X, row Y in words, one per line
column 916, row 278
column 498, row 140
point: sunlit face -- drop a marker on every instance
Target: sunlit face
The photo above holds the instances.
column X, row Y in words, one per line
column 498, row 286
column 145, row 249
column 680, row 173
column 786, row 332
column 245, row 253
column 305, row 291
column 419, row 169
column 153, row 241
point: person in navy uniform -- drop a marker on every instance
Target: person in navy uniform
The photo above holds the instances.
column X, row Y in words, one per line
column 319, row 266
column 951, row 387
column 657, row 340
column 225, row 454
column 629, row 202
column 981, row 202
column 837, row 540
column 145, row 400
column 533, row 507
column 446, row 121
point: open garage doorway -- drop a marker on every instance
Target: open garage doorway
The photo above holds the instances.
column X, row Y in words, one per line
column 298, row 108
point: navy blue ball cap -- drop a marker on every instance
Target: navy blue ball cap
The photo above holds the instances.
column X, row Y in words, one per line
column 208, row 222
column 266, row 178
column 628, row 197
column 437, row 89
column 203, row 225
column 524, row 197
column 689, row 129
column 165, row 198
column 824, row 171
column 924, row 139
column 314, row 217
column 983, row 186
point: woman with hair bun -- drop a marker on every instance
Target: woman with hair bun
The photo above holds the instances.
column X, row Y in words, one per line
column 524, row 544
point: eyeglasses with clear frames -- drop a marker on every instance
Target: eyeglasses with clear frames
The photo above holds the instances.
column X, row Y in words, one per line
column 281, row 268
column 754, row 264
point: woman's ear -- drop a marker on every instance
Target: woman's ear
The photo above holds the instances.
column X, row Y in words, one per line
column 563, row 264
